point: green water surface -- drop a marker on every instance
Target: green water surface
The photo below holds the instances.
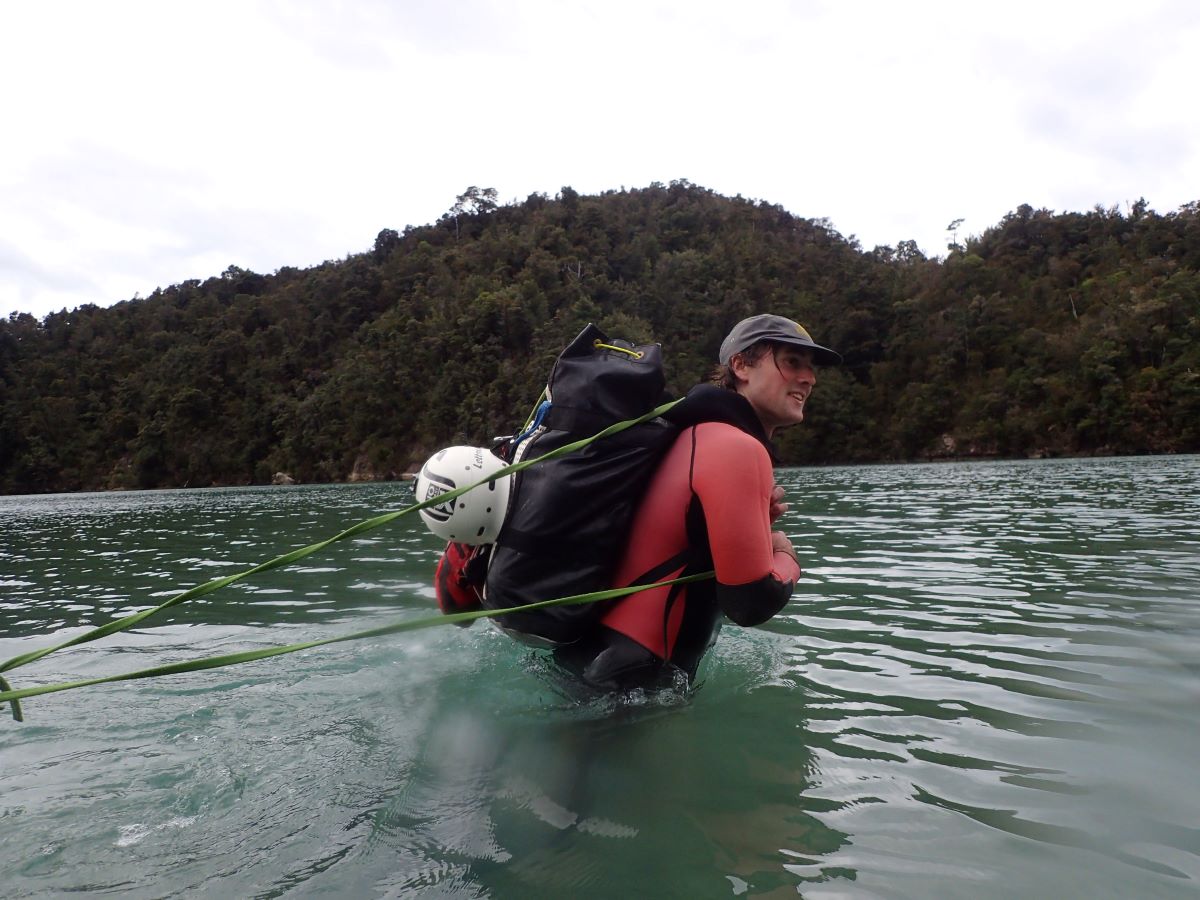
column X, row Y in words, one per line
column 987, row 685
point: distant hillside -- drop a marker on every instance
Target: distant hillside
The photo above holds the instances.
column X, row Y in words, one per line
column 1049, row 334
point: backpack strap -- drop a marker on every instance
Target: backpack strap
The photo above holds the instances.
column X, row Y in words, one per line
column 663, row 569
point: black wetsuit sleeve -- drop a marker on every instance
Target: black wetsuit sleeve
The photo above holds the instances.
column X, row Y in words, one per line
column 753, row 603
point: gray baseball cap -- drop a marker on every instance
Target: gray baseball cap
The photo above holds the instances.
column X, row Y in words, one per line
column 778, row 330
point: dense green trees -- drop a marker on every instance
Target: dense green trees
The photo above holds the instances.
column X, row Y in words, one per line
column 1048, row 334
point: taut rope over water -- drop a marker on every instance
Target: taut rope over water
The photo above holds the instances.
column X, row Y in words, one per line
column 9, row 695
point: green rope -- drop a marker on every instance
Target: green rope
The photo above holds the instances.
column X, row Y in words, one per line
column 5, row 690
column 231, row 659
column 288, row 558
column 201, row 590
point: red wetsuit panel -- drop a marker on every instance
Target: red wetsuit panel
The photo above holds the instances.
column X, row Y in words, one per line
column 729, row 472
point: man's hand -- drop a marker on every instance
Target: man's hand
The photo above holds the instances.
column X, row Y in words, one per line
column 778, row 507
column 780, row 542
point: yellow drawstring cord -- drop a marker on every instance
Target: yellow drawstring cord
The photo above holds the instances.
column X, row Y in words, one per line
column 600, row 345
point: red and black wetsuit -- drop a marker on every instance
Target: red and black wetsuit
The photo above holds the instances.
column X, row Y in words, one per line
column 707, row 507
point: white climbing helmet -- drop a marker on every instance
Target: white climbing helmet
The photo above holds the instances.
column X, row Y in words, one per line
column 471, row 518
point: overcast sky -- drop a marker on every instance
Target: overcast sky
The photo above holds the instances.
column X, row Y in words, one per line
column 146, row 143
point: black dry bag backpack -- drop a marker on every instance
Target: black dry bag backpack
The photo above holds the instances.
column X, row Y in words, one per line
column 568, row 518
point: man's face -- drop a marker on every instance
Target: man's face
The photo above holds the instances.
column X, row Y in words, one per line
column 778, row 385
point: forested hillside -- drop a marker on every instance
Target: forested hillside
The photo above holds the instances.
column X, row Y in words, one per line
column 1048, row 334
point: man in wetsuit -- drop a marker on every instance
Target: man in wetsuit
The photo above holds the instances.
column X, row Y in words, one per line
column 709, row 506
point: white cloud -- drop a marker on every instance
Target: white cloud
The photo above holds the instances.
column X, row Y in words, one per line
column 150, row 143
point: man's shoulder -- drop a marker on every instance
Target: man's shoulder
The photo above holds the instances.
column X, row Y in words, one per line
column 725, row 438
column 727, row 416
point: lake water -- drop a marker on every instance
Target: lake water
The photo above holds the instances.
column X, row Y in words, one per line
column 987, row 685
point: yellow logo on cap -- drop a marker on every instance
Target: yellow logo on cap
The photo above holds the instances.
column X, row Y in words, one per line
column 803, row 333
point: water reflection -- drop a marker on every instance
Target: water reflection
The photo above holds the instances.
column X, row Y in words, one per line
column 628, row 798
column 986, row 686
column 75, row 561
column 988, row 645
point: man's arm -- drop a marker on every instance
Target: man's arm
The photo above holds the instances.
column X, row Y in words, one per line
column 755, row 567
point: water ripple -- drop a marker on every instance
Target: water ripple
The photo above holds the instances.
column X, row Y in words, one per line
column 985, row 686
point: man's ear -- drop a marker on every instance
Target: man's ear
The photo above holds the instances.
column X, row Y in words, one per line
column 738, row 366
